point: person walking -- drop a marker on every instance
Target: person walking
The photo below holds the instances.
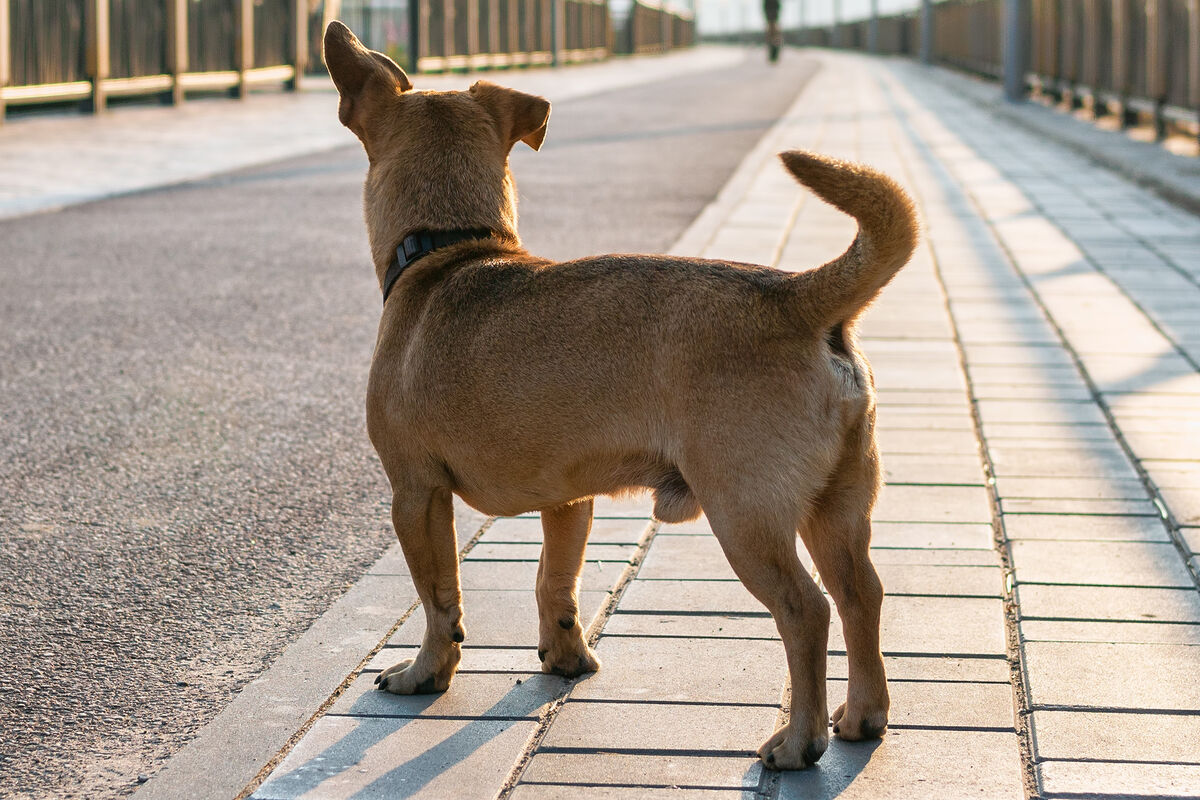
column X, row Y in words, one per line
column 774, row 34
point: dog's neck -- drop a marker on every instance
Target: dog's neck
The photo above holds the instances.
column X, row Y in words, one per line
column 395, row 210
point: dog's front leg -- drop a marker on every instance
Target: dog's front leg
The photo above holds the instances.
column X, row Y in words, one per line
column 560, row 643
column 424, row 521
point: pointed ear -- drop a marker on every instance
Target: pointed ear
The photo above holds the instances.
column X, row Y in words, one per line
column 519, row 117
column 356, row 71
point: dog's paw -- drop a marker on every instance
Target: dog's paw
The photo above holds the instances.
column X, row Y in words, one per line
column 854, row 726
column 407, row 678
column 570, row 660
column 788, row 748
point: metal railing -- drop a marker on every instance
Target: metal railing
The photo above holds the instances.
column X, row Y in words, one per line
column 656, row 28
column 89, row 51
column 1134, row 58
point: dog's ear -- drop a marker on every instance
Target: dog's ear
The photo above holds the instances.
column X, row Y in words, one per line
column 356, row 71
column 519, row 117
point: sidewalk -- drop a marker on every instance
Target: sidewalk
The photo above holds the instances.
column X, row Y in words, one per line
column 1038, row 366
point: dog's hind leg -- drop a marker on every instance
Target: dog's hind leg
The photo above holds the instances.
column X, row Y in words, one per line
column 838, row 537
column 763, row 554
column 424, row 521
column 560, row 642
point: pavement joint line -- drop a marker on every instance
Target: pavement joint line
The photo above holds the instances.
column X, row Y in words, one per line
column 1013, row 656
column 1121, row 761
column 592, row 635
column 1169, row 712
column 297, row 735
column 645, row 751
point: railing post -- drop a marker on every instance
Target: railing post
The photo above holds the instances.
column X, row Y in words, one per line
column 835, row 34
column 97, row 53
column 472, row 27
column 243, row 37
column 1193, row 60
column 5, row 52
column 299, row 41
column 557, row 25
column 177, row 48
column 1156, row 62
column 1014, row 51
column 873, row 28
column 493, row 33
column 926, row 31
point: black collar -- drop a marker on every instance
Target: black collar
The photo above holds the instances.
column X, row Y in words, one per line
column 420, row 244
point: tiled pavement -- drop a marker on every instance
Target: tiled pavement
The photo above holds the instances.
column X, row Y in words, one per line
column 1037, row 365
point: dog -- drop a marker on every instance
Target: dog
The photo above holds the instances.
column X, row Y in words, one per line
column 520, row 384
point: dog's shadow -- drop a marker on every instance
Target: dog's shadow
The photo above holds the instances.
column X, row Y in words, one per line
column 841, row 765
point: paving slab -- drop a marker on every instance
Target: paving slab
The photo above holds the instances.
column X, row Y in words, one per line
column 714, row 626
column 948, row 669
column 959, row 536
column 669, row 596
column 1085, row 528
column 1113, row 676
column 1101, row 631
column 1128, row 781
column 907, row 764
column 522, row 575
column 936, row 625
column 528, row 551
column 896, row 558
column 604, row 531
column 1069, row 735
column 571, row 792
column 476, row 696
column 500, row 617
column 1100, row 564
column 686, row 558
column 1105, row 508
column 943, row 468
column 687, row 670
column 665, row 771
column 519, row 660
column 382, row 759
column 1082, row 488
column 1109, row 603
column 686, row 729
column 928, row 704
column 933, row 504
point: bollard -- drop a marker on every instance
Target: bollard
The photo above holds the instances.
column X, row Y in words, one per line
column 1014, row 52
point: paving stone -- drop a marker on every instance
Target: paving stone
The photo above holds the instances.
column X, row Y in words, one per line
column 719, row 626
column 939, row 669
column 938, row 374
column 1107, row 508
column 907, row 579
column 386, row 758
column 1099, row 563
column 686, row 670
column 936, row 625
column 1001, row 432
column 604, row 531
column 689, row 596
column 675, row 728
column 507, row 618
column 932, row 557
column 1116, row 737
column 927, row 704
column 680, row 557
column 1106, row 675
column 517, row 575
column 943, row 468
column 1027, row 374
column 1184, row 505
column 521, row 660
column 1040, row 412
column 695, row 527
column 1076, row 488
column 1109, row 603
column 906, row 764
column 1191, row 538
column 535, row 791
column 470, row 695
column 1101, row 631
column 893, row 441
column 984, row 353
column 633, row 506
column 1177, row 445
column 1051, row 526
column 664, row 771
column 1118, row 780
column 933, row 504
column 1025, row 392
column 975, row 536
column 487, row 551
column 1025, row 460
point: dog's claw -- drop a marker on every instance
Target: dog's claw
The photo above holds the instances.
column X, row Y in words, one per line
column 379, row 679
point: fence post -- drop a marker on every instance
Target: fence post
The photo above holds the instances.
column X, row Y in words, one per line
column 243, row 38
column 299, row 41
column 1014, row 51
column 926, row 31
column 96, row 15
column 177, row 48
column 1156, row 62
column 5, row 53
column 556, row 29
column 873, row 28
column 1193, row 59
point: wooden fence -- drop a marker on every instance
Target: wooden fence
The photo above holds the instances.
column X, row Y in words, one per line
column 1129, row 57
column 93, row 50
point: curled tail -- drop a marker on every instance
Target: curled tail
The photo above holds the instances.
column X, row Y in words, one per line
column 887, row 235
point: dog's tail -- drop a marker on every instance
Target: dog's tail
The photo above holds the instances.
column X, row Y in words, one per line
column 836, row 292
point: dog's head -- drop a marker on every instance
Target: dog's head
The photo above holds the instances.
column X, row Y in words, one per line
column 438, row 160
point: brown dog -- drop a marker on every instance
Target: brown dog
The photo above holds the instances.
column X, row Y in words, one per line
column 520, row 384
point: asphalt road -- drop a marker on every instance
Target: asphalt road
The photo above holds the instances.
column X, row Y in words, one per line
column 185, row 477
